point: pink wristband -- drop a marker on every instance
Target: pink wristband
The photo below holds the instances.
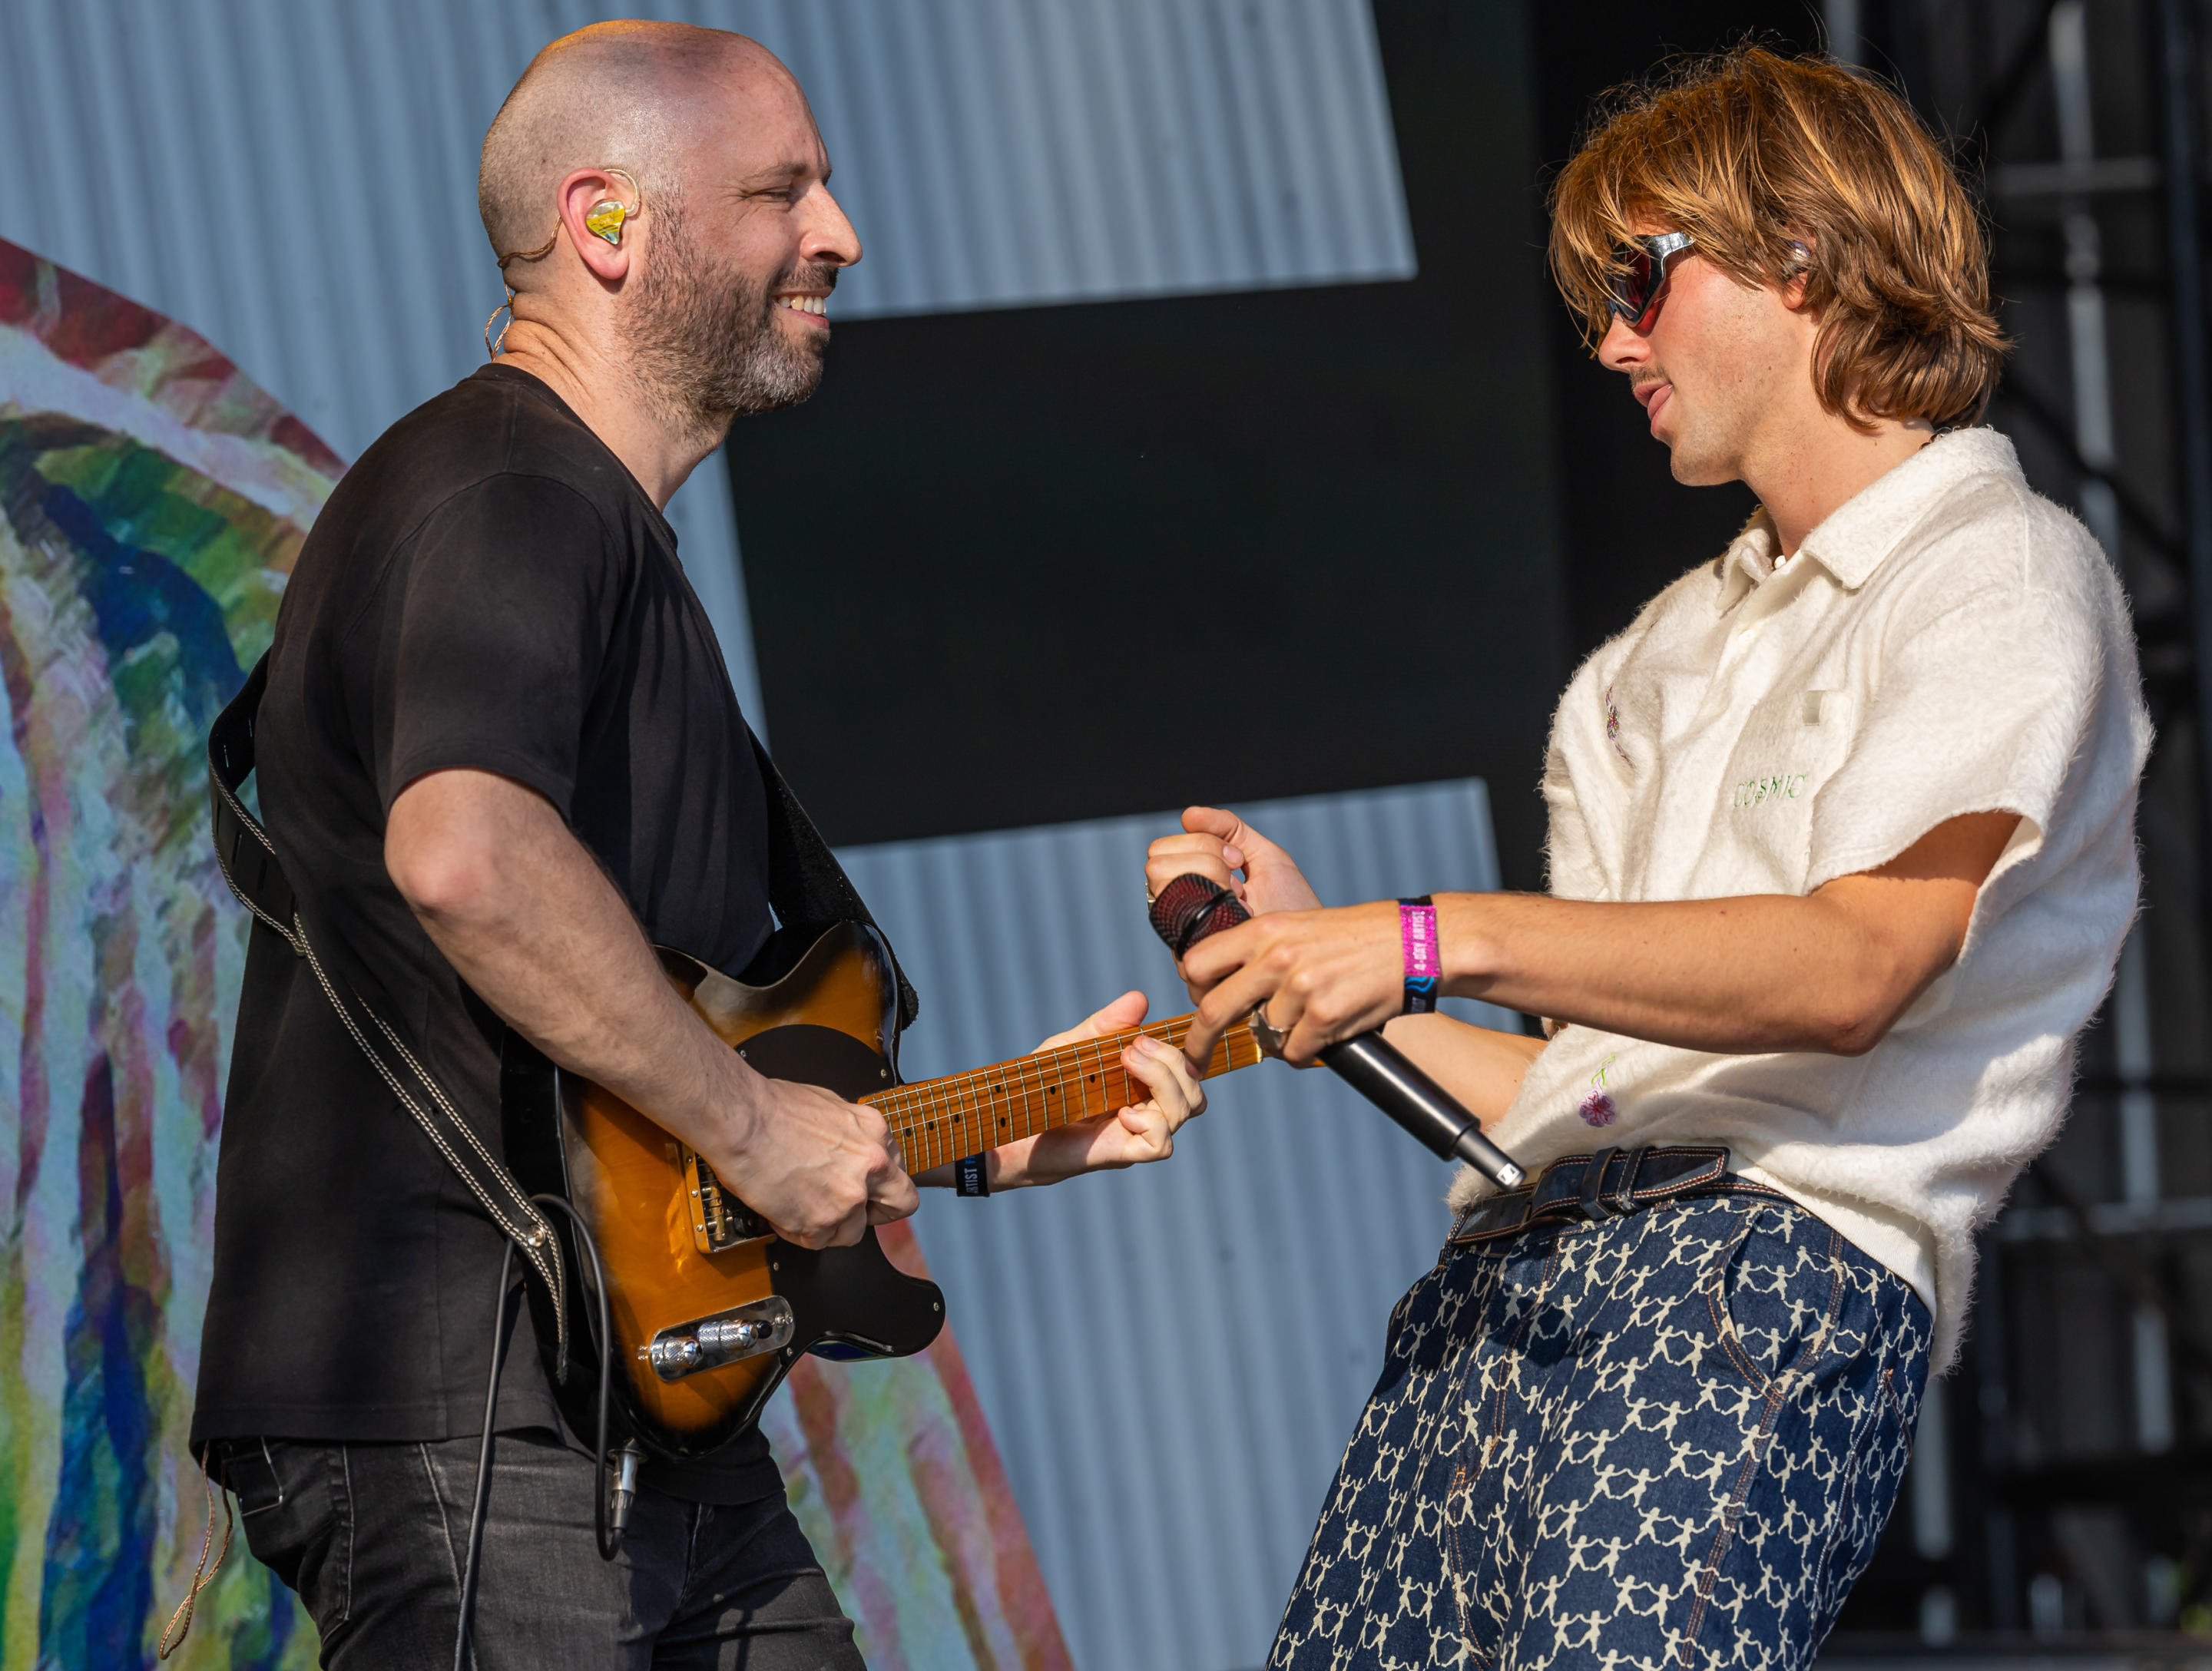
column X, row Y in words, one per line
column 1417, row 933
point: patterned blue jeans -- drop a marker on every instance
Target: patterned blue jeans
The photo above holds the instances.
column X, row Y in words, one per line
column 1670, row 1439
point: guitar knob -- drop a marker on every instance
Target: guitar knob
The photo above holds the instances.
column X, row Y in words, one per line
column 731, row 1337
column 674, row 1356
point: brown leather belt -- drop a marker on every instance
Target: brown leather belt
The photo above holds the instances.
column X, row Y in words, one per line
column 1589, row 1188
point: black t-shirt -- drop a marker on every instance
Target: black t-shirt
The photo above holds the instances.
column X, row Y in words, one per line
column 487, row 587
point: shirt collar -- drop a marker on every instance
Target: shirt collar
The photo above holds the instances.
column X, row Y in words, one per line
column 1748, row 562
column 1863, row 532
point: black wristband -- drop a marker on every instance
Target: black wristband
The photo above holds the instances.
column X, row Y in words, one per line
column 971, row 1176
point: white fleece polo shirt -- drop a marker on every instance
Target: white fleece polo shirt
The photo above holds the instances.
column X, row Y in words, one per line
column 1947, row 643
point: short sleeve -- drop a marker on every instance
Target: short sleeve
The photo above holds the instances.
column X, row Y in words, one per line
column 1580, row 803
column 490, row 635
column 1571, row 860
column 1978, row 708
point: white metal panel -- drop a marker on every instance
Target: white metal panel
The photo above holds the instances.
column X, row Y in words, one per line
column 295, row 180
column 1170, row 1358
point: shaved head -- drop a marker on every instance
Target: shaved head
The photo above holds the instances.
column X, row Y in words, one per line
column 630, row 95
column 711, row 299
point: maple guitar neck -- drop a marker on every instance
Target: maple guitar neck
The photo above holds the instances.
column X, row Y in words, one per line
column 937, row 1122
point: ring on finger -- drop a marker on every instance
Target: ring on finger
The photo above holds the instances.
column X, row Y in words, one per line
column 1269, row 1035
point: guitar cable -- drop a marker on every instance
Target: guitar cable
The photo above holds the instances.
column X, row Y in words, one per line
column 609, row 1538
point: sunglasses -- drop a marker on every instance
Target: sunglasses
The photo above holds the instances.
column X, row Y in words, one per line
column 1637, row 284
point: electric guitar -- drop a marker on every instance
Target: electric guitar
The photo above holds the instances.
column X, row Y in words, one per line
column 708, row 1308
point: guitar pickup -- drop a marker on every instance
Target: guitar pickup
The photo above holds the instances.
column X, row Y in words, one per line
column 720, row 1221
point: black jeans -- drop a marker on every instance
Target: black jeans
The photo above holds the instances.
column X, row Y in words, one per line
column 371, row 1537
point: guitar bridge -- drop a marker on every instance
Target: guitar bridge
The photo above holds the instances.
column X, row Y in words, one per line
column 720, row 1221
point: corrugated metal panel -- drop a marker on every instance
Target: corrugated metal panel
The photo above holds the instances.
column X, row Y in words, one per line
column 295, row 180
column 995, row 153
column 1170, row 1358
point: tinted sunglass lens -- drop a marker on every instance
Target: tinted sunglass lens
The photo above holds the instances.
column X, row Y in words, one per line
column 1631, row 290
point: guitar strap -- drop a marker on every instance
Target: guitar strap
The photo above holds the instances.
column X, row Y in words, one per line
column 807, row 889
column 249, row 865
column 806, row 885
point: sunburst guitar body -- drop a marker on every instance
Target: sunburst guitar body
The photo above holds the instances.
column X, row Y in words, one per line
column 708, row 1308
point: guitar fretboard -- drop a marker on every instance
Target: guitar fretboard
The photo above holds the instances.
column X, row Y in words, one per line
column 940, row 1120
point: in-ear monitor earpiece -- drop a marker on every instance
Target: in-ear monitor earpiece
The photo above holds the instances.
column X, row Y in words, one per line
column 605, row 220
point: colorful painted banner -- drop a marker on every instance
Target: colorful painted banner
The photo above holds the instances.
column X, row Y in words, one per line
column 152, row 500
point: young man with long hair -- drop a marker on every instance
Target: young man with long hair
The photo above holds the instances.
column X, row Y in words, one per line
column 1841, row 857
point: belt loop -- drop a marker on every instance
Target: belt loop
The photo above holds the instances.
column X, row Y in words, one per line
column 1594, row 1184
column 1622, row 1199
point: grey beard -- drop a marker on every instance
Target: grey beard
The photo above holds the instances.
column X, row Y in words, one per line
column 704, row 345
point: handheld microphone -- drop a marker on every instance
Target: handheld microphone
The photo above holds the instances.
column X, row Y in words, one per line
column 1190, row 908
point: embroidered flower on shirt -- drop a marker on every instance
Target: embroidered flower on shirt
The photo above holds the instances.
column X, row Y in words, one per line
column 1613, row 730
column 1598, row 1107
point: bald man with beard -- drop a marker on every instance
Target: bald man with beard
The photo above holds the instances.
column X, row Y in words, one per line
column 498, row 756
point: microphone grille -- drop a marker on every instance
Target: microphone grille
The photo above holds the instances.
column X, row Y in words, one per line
column 1190, row 908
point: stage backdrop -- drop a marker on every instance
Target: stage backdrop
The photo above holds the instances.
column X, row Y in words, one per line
column 152, row 500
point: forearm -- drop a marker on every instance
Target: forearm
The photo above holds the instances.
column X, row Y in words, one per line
column 543, row 937
column 1832, row 971
column 1750, row 973
column 1050, row 1158
column 1480, row 1066
column 1009, row 1166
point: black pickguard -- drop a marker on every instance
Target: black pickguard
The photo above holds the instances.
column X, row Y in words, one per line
column 845, row 1303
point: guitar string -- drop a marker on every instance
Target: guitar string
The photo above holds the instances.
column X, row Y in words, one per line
column 941, row 1103
column 924, row 1129
column 968, row 1099
column 925, row 1115
column 929, row 1094
column 942, row 1097
column 1033, row 1102
column 999, row 1102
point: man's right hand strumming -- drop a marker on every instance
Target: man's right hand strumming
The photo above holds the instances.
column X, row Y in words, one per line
column 518, row 906
column 817, row 1168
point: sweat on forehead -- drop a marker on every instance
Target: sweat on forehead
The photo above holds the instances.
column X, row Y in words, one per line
column 626, row 94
